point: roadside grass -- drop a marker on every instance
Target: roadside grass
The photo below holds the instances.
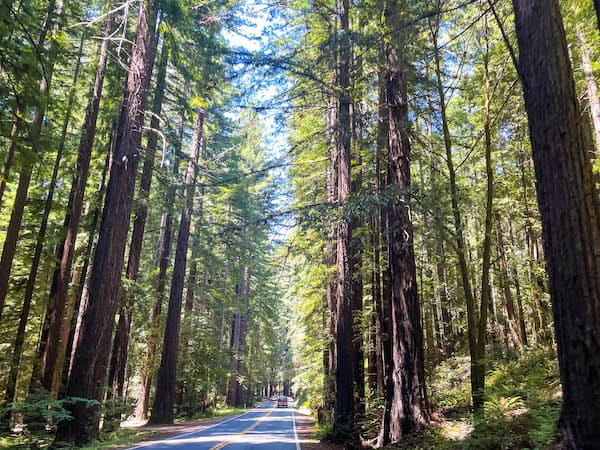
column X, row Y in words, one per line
column 211, row 414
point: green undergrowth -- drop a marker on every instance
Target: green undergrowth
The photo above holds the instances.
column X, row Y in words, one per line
column 522, row 405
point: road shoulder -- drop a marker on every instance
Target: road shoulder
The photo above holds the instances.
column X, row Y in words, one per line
column 307, row 434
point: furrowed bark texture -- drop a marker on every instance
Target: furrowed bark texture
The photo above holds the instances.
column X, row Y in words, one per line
column 89, row 367
column 570, row 212
column 121, row 341
column 344, row 375
column 409, row 404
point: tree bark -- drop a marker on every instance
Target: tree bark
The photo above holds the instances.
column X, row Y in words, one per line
column 162, row 410
column 93, row 346
column 378, row 297
column 356, row 263
column 82, row 294
column 163, row 257
column 329, row 358
column 121, row 341
column 478, row 357
column 570, row 212
column 409, row 409
column 344, row 375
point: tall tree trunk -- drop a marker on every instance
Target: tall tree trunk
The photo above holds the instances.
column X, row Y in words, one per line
column 377, row 232
column 386, row 291
column 188, row 308
column 82, row 294
column 121, row 341
column 239, row 331
column 344, row 375
column 378, row 310
column 515, row 273
column 409, row 403
column 356, row 263
column 52, row 348
column 511, row 316
column 162, row 410
column 477, row 368
column 234, row 344
column 330, row 262
column 40, row 241
column 93, row 346
column 444, row 296
column 163, row 257
column 561, row 142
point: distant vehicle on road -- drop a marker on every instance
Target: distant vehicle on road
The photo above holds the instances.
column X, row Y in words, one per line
column 282, row 402
column 274, row 398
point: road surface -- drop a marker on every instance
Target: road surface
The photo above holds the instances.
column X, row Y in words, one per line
column 263, row 428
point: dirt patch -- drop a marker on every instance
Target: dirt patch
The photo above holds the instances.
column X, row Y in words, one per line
column 305, row 427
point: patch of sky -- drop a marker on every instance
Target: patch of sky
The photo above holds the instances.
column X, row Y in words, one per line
column 254, row 38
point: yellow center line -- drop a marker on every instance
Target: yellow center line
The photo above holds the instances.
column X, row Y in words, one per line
column 241, row 433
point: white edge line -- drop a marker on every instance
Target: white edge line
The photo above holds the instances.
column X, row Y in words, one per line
column 298, row 447
column 179, row 436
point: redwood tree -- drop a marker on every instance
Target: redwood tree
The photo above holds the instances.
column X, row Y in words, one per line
column 344, row 373
column 162, row 408
column 89, row 367
column 570, row 212
column 408, row 409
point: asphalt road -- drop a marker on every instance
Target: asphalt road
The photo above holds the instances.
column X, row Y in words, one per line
column 263, row 428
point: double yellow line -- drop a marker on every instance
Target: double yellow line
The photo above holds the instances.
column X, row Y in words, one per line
column 241, row 433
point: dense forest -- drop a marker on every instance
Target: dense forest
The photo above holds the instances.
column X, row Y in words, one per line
column 387, row 209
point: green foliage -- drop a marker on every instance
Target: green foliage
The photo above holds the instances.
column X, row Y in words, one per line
column 39, row 415
column 522, row 404
column 449, row 384
column 499, row 406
